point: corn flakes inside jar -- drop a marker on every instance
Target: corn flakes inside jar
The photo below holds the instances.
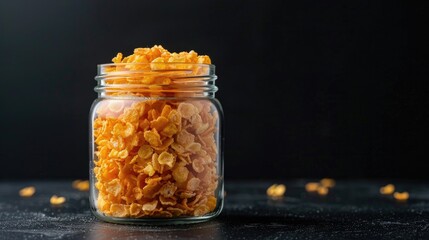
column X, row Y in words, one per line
column 156, row 153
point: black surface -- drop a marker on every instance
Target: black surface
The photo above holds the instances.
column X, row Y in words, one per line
column 343, row 84
column 352, row 210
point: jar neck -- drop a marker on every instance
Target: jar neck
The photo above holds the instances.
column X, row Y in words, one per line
column 156, row 80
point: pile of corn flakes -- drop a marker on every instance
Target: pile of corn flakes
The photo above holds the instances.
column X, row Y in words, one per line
column 155, row 72
column 156, row 157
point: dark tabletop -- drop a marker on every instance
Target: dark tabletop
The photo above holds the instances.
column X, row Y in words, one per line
column 351, row 210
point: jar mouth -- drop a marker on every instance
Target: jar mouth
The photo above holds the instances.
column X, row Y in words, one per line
column 153, row 79
column 154, row 63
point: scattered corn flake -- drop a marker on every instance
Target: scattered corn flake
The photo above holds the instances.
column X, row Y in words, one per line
column 401, row 196
column 312, row 186
column 321, row 190
column 327, row 182
column 56, row 200
column 388, row 189
column 27, row 191
column 276, row 190
column 81, row 185
column 75, row 183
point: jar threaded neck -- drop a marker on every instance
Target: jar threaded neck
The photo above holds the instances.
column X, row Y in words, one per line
column 156, row 80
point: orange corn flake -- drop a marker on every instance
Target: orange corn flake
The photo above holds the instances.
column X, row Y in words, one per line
column 388, row 189
column 81, row 185
column 312, row 186
column 327, row 182
column 321, row 187
column 56, row 200
column 401, row 196
column 27, row 191
column 156, row 158
column 322, row 190
column 276, row 190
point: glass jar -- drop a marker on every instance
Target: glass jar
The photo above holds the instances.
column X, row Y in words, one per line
column 156, row 144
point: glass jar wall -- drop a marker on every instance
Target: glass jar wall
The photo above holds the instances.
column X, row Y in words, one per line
column 156, row 144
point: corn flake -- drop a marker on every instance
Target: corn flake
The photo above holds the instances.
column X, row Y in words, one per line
column 56, row 200
column 321, row 190
column 401, row 196
column 152, row 137
column 150, row 206
column 180, row 174
column 312, row 186
column 119, row 210
column 193, row 184
column 388, row 189
column 135, row 209
column 114, row 187
column 327, row 182
column 276, row 190
column 159, row 123
column 145, row 151
column 166, row 158
column 81, row 185
column 27, row 191
column 166, row 201
column 185, row 138
column 198, row 165
column 186, row 110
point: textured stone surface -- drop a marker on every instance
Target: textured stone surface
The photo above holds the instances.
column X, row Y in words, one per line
column 352, row 210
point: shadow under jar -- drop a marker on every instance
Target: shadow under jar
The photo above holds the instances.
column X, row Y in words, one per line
column 156, row 144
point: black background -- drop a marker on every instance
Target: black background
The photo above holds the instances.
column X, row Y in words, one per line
column 309, row 88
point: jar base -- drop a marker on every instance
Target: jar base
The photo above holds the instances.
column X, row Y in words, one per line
column 155, row 221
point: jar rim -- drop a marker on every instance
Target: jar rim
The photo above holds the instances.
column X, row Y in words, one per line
column 152, row 78
column 130, row 68
column 142, row 64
